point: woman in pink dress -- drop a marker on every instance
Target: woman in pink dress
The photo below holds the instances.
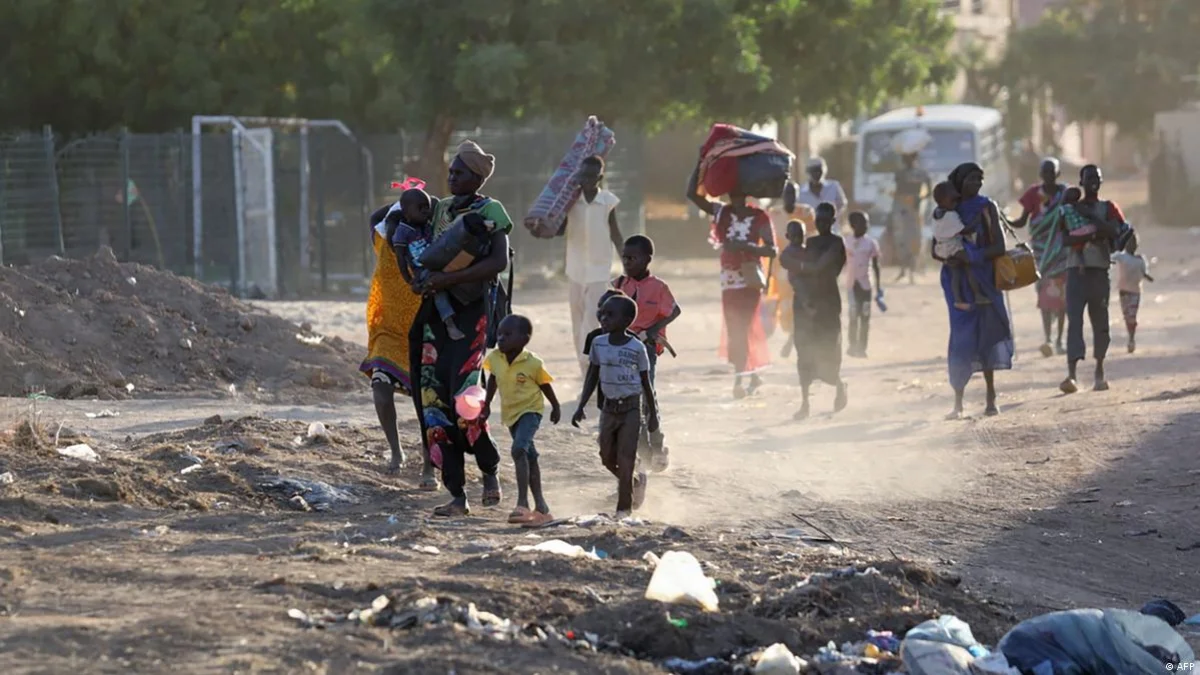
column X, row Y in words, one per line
column 743, row 234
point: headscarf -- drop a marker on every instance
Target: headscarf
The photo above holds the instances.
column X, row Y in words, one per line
column 816, row 163
column 479, row 162
column 970, row 207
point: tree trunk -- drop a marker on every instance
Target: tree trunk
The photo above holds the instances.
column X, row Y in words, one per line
column 430, row 164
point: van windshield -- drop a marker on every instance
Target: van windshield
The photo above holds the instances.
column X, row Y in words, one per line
column 949, row 148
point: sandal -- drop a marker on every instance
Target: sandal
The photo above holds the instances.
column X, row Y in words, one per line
column 519, row 516
column 491, row 491
column 537, row 519
column 451, row 510
column 429, row 482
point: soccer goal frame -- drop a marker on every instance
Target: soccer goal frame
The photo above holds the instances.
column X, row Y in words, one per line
column 247, row 133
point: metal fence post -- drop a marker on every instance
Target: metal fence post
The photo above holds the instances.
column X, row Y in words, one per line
column 124, row 194
column 322, row 241
column 305, row 182
column 48, row 142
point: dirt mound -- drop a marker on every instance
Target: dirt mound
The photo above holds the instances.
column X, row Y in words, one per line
column 90, row 328
column 249, row 463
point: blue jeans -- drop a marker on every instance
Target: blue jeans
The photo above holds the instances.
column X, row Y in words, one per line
column 522, row 435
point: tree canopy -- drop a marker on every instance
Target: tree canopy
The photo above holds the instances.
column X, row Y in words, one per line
column 1118, row 61
column 429, row 65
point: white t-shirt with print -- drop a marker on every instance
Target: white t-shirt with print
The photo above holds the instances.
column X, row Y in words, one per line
column 860, row 251
column 589, row 246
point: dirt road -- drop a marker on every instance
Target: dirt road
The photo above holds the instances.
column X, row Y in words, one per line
column 1060, row 501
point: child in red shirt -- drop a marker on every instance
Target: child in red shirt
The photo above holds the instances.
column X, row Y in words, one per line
column 656, row 310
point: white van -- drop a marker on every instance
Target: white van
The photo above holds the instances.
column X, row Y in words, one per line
column 961, row 133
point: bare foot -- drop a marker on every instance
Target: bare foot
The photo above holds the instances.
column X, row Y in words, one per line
column 991, row 410
column 1101, row 385
column 1047, row 350
column 1068, row 386
column 955, row 415
column 802, row 413
column 1132, row 345
column 964, row 306
column 755, row 383
column 639, row 489
column 739, row 392
column 453, row 331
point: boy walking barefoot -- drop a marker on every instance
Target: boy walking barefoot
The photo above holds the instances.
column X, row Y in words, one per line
column 1131, row 270
column 524, row 386
column 620, row 366
column 656, row 309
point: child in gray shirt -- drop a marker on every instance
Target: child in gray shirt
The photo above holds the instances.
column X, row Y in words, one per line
column 620, row 367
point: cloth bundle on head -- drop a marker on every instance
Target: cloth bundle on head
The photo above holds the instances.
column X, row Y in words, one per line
column 547, row 215
column 735, row 159
column 479, row 162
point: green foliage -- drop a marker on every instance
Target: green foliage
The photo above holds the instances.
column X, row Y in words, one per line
column 1118, row 61
column 429, row 65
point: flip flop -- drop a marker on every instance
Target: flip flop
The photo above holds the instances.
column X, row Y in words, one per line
column 451, row 510
column 520, row 516
column 538, row 519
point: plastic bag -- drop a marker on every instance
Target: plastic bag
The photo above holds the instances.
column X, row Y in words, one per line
column 559, row 547
column 763, row 174
column 679, row 579
column 778, row 660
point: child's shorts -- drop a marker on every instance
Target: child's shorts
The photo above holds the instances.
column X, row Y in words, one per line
column 523, row 432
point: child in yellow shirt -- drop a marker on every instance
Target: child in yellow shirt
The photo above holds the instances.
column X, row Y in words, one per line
column 521, row 379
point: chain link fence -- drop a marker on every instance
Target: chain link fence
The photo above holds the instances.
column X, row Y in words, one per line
column 139, row 194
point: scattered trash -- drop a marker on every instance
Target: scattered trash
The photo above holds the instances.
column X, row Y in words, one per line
column 129, row 387
column 651, row 559
column 844, row 573
column 188, row 469
column 1141, row 533
column 429, row 550
column 1165, row 610
column 103, row 414
column 132, row 281
column 1123, row 503
column 560, row 547
column 884, row 640
column 318, row 495
column 310, row 340
column 185, row 344
column 678, row 578
column 779, row 660
column 317, row 433
column 1193, row 620
column 82, row 451
column 703, row 667
column 7, row 478
column 678, row 623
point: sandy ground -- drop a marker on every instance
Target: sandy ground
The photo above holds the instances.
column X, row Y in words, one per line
column 1087, row 500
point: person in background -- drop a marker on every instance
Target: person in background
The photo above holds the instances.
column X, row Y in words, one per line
column 806, row 219
column 1037, row 204
column 620, row 367
column 818, row 189
column 862, row 259
column 656, row 310
column 391, row 308
column 592, row 234
column 913, row 185
column 1131, row 270
column 814, row 271
column 520, row 377
column 1088, row 283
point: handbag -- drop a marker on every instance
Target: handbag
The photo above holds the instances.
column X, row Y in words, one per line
column 752, row 272
column 1017, row 267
